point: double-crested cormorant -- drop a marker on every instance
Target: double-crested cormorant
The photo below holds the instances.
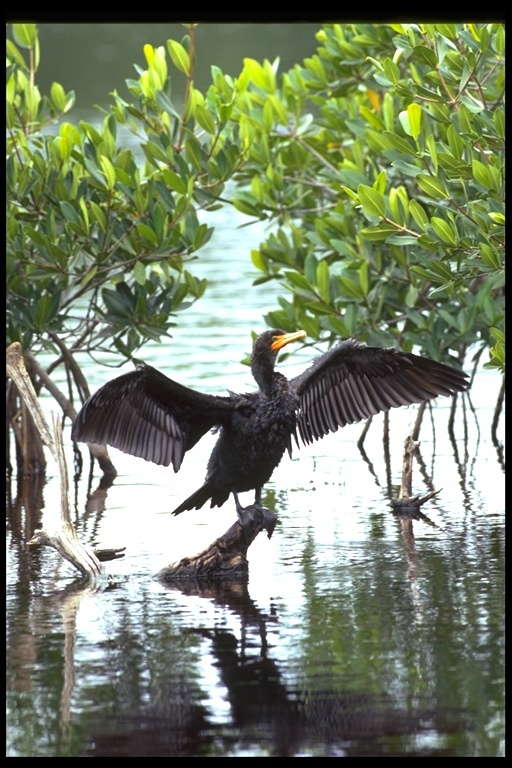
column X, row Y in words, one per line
column 146, row 414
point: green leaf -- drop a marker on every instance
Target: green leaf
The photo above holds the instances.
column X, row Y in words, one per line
column 262, row 75
column 299, row 281
column 402, row 239
column 497, row 334
column 155, row 58
column 166, row 104
column 414, row 114
column 85, row 213
column 484, row 176
column 108, row 170
column 372, row 201
column 69, row 213
column 380, row 182
column 411, row 296
column 89, row 275
column 421, row 272
column 98, row 215
column 247, row 208
column 431, row 186
column 179, row 56
column 139, row 273
column 498, row 218
column 489, row 256
column 418, row 214
column 25, row 34
column 498, row 41
column 363, row 277
column 322, row 280
column 388, row 111
column 204, row 119
column 442, row 269
column 378, row 231
column 466, row 120
column 370, row 117
column 391, row 70
column 94, row 172
column 350, row 193
column 432, row 148
column 14, row 55
column 399, row 205
column 499, row 122
column 279, row 109
column 399, row 143
column 174, row 181
column 58, row 96
column 43, row 312
column 427, row 54
column 350, row 287
column 443, row 230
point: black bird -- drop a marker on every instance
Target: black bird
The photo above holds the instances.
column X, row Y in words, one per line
column 146, row 414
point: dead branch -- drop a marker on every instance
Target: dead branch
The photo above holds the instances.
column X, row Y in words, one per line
column 419, row 418
column 406, row 501
column 410, row 447
column 65, row 539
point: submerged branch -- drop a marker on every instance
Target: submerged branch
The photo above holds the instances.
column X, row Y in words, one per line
column 406, row 501
column 494, row 426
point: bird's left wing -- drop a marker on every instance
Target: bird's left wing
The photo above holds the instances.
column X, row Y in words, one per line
column 351, row 382
column 146, row 414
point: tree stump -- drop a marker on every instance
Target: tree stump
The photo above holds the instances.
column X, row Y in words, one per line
column 226, row 557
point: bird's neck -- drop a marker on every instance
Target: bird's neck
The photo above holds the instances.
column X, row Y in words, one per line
column 264, row 377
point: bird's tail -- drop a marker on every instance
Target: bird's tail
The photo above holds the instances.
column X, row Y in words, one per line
column 200, row 497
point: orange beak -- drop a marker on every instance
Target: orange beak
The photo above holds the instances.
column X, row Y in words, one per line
column 285, row 338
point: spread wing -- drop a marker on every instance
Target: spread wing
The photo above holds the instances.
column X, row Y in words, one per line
column 146, row 414
column 351, row 382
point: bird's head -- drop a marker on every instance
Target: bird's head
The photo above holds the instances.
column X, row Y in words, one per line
column 264, row 352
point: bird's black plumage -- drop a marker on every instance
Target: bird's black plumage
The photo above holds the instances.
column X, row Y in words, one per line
column 146, row 414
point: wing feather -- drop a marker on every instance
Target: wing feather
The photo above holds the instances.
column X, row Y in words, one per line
column 146, row 414
column 351, row 382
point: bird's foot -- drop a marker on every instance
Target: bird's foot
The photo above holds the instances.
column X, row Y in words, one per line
column 257, row 516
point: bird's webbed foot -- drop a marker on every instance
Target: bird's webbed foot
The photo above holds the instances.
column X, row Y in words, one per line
column 256, row 516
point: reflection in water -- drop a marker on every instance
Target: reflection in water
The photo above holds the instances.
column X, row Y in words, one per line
column 24, row 509
column 265, row 714
column 268, row 714
column 381, row 653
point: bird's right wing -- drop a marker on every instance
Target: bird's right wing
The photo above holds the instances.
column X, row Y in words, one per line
column 146, row 414
column 351, row 382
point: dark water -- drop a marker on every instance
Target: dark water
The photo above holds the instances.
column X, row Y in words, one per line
column 358, row 633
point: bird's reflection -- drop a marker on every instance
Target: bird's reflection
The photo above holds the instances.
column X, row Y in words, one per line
column 266, row 715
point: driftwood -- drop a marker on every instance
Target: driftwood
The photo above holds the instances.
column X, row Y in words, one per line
column 406, row 502
column 226, row 557
column 64, row 539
